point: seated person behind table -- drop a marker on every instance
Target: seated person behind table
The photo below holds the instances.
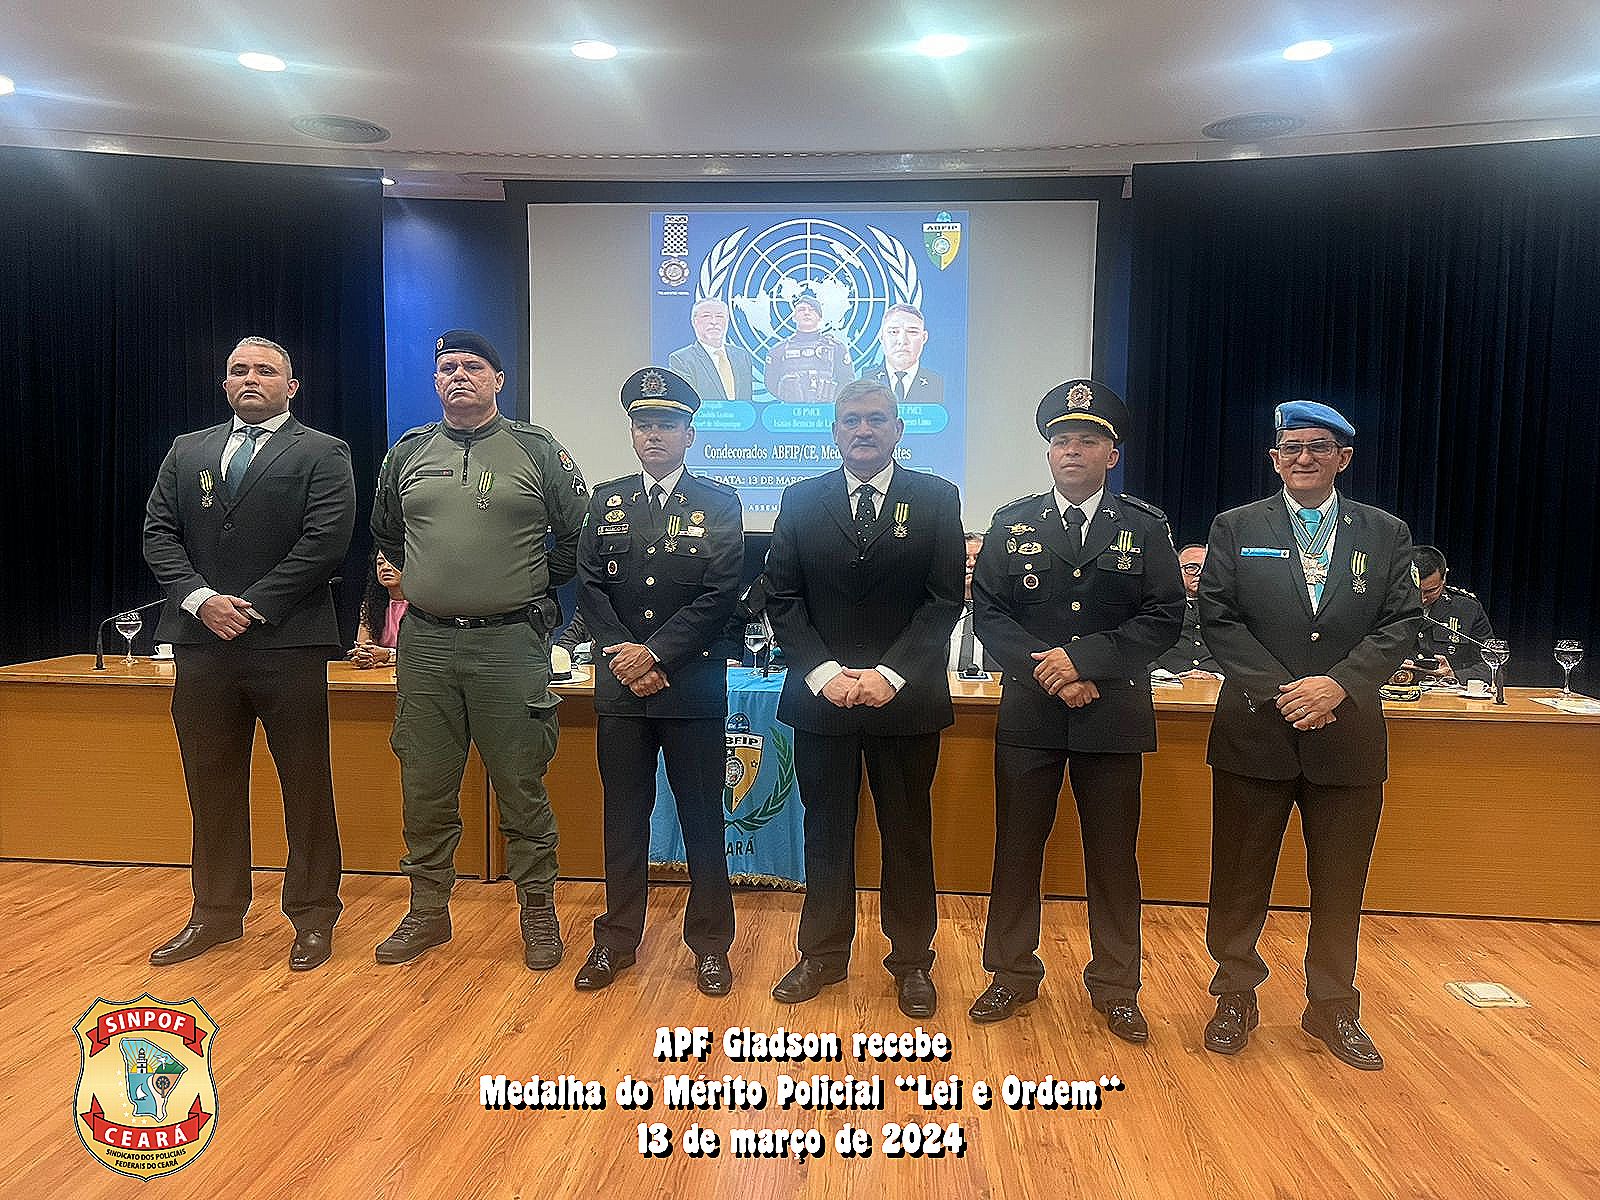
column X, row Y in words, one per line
column 965, row 648
column 1190, row 656
column 382, row 606
column 1459, row 615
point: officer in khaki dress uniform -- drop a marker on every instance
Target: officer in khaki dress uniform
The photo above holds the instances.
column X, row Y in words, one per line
column 1075, row 593
column 658, row 577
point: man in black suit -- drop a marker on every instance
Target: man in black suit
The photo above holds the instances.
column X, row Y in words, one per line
column 1454, row 624
column 714, row 367
column 865, row 573
column 1309, row 602
column 659, row 561
column 246, row 524
column 1075, row 592
column 903, row 335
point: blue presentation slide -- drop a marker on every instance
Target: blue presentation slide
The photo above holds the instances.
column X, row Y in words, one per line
column 769, row 314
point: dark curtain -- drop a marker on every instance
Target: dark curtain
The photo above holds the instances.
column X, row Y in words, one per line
column 1444, row 300
column 126, row 283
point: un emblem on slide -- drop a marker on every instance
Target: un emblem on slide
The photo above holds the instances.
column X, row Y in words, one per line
column 146, row 1100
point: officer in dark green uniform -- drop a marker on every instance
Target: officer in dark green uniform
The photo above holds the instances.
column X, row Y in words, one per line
column 1075, row 593
column 465, row 507
column 658, row 577
column 1452, row 620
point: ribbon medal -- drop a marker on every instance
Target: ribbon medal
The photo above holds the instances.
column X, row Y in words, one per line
column 207, row 486
column 1125, row 549
column 485, row 482
column 901, row 512
column 1358, row 573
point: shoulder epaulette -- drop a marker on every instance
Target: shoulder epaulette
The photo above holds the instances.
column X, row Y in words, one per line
column 1142, row 505
column 717, row 485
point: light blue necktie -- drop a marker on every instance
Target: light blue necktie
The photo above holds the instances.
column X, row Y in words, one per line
column 1312, row 519
column 240, row 462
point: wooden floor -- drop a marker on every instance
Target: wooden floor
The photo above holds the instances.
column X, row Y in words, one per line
column 359, row 1080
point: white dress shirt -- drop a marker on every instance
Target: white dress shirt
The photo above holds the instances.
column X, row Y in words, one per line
column 1089, row 507
column 819, row 677
column 669, row 484
column 236, row 440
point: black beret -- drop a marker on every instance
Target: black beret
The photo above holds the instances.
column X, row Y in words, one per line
column 465, row 341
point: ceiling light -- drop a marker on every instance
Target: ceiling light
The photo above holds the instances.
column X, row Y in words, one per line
column 261, row 62
column 595, row 51
column 1308, row 51
column 387, row 182
column 941, row 45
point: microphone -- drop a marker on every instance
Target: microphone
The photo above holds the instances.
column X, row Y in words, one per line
column 100, row 636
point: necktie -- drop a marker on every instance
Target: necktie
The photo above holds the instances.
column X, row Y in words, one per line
column 866, row 511
column 658, row 496
column 969, row 643
column 1074, row 519
column 724, row 369
column 1316, row 569
column 900, row 386
column 240, row 462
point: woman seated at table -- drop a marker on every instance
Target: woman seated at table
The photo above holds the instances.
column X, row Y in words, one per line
column 382, row 606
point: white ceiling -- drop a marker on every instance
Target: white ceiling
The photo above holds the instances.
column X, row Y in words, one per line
column 488, row 88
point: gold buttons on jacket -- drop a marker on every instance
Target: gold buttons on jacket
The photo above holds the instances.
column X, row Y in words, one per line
column 649, row 614
column 1076, row 605
column 1077, row 572
column 649, row 581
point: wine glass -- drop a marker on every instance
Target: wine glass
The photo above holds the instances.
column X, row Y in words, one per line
column 128, row 625
column 756, row 637
column 1568, row 655
column 1497, row 652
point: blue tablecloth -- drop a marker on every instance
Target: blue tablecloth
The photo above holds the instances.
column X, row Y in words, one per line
column 761, row 808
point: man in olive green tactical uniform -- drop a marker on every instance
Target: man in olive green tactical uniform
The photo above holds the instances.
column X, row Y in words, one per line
column 465, row 507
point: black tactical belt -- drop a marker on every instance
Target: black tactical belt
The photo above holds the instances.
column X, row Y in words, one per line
column 518, row 617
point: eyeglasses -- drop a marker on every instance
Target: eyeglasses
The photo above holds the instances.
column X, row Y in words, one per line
column 1192, row 568
column 1321, row 448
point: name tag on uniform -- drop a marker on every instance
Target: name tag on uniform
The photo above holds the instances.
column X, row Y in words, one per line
column 1262, row 552
column 692, row 531
column 442, row 473
column 605, row 529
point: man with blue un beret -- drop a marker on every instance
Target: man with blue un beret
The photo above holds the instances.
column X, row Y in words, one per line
column 1308, row 601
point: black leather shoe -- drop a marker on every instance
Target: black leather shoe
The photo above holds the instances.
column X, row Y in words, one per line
column 312, row 948
column 1125, row 1020
column 713, row 975
column 192, row 941
column 997, row 1003
column 1341, row 1032
column 1228, row 1031
column 918, row 996
column 805, row 981
column 600, row 969
column 541, row 934
column 417, row 932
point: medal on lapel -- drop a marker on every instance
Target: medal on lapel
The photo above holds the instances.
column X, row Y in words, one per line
column 207, row 486
column 1455, row 630
column 485, row 482
column 901, row 512
column 1124, row 546
column 1358, row 573
column 674, row 525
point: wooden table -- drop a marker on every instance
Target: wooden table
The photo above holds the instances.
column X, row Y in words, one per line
column 1489, row 810
column 89, row 770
